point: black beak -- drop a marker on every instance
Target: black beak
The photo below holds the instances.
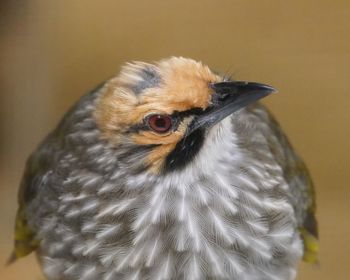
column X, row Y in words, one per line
column 229, row 97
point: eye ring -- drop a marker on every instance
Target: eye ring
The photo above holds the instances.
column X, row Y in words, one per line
column 159, row 123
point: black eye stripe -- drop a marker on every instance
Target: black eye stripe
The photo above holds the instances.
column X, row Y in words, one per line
column 187, row 113
column 176, row 116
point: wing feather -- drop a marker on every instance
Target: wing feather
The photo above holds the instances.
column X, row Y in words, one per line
column 297, row 177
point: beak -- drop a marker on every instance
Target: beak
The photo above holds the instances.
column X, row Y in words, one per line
column 229, row 97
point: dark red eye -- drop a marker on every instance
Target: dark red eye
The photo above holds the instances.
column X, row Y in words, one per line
column 160, row 123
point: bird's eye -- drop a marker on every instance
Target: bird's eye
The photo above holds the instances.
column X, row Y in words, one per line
column 160, row 123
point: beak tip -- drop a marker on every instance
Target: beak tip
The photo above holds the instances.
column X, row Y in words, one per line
column 272, row 90
column 268, row 89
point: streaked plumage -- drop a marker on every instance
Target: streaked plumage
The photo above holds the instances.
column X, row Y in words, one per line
column 105, row 197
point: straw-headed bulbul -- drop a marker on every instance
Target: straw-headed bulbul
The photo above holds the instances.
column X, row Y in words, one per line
column 167, row 171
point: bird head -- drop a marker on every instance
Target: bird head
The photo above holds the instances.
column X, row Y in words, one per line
column 167, row 108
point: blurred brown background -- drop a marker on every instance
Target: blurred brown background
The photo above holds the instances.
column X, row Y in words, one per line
column 53, row 51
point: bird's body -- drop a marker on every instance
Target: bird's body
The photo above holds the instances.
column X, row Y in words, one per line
column 104, row 199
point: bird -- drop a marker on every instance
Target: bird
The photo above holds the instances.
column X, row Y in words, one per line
column 167, row 170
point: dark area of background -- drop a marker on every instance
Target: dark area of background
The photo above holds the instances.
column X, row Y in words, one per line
column 51, row 52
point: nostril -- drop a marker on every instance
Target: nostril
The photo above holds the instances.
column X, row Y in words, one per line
column 220, row 98
column 224, row 88
column 223, row 96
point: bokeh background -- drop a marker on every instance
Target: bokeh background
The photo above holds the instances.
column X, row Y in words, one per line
column 51, row 52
